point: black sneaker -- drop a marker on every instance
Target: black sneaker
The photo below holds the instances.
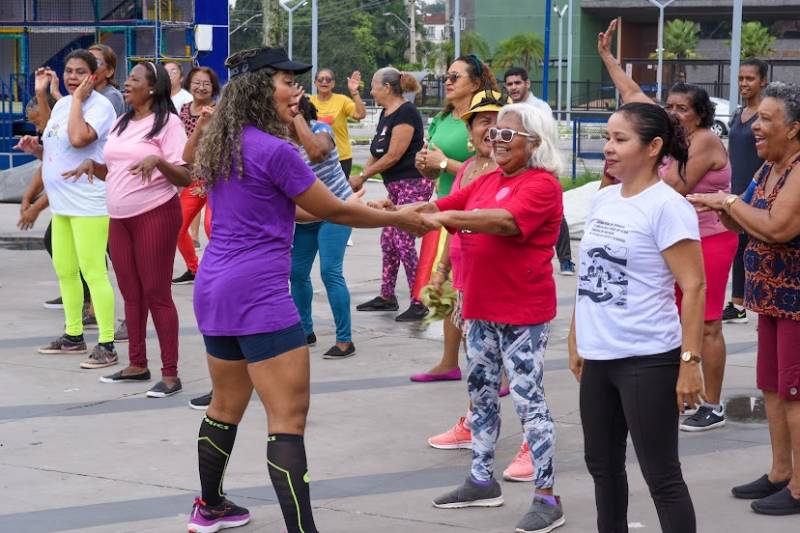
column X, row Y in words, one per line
column 208, row 519
column 186, row 278
column 704, row 419
column 414, row 313
column 567, row 268
column 162, row 390
column 337, row 353
column 311, row 339
column 379, row 304
column 470, row 494
column 542, row 517
column 119, row 377
column 63, row 345
column 55, row 303
column 101, row 357
column 760, row 488
column 734, row 315
column 121, row 335
column 782, row 503
column 200, row 403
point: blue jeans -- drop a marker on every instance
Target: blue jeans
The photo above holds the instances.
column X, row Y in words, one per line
column 331, row 241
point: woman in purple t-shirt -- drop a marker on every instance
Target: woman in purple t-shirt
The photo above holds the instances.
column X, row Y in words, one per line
column 252, row 331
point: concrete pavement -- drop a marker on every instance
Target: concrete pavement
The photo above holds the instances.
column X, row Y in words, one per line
column 80, row 455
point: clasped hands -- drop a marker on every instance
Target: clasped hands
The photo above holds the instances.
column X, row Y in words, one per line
column 417, row 218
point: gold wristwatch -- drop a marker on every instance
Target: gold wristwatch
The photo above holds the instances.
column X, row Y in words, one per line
column 689, row 357
column 443, row 164
column 728, row 202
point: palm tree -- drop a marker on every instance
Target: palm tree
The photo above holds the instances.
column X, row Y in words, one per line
column 680, row 39
column 525, row 49
column 472, row 43
column 756, row 40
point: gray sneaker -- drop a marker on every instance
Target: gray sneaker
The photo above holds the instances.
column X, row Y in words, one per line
column 541, row 517
column 65, row 346
column 121, row 335
column 101, row 357
column 470, row 494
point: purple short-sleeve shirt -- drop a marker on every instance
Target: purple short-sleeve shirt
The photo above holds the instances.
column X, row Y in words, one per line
column 242, row 286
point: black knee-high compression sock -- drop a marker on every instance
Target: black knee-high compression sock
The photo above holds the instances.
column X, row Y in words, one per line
column 214, row 445
column 286, row 459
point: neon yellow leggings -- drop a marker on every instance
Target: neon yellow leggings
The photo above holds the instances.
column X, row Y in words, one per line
column 79, row 246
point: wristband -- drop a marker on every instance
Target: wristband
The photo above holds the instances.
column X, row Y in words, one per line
column 728, row 202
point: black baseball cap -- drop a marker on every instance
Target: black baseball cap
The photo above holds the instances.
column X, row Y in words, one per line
column 276, row 58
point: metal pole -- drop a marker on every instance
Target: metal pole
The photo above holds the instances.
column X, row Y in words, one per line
column 736, row 45
column 569, row 60
column 314, row 42
column 412, row 32
column 661, row 7
column 560, row 14
column 291, row 14
column 546, row 74
column 457, row 27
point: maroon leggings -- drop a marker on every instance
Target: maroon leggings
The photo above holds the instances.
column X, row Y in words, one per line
column 143, row 253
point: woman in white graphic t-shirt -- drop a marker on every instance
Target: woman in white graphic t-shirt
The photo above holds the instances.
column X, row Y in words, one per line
column 636, row 359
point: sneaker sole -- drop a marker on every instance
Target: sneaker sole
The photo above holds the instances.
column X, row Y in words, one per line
column 45, row 351
column 52, row 306
column 490, row 502
column 697, row 429
column 566, row 274
column 457, row 446
column 182, row 282
column 774, row 512
column 736, row 321
column 331, row 357
column 197, row 528
column 518, row 478
column 88, row 366
column 104, row 379
column 197, row 407
column 558, row 523
column 151, row 394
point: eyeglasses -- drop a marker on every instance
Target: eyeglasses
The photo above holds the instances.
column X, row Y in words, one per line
column 200, row 84
column 507, row 135
column 453, row 77
column 325, row 79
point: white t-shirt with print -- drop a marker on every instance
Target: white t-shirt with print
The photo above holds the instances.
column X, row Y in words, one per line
column 625, row 305
column 68, row 197
column 539, row 104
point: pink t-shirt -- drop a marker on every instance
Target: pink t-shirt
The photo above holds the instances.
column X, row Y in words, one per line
column 126, row 195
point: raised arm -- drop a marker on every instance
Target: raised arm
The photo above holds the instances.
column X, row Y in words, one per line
column 628, row 89
column 194, row 139
column 353, row 85
column 317, row 145
column 80, row 133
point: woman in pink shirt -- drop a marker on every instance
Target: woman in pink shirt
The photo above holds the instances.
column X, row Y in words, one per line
column 143, row 166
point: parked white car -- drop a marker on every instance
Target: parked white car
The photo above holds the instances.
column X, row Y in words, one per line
column 722, row 116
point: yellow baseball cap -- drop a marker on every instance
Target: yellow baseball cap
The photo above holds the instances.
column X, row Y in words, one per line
column 483, row 101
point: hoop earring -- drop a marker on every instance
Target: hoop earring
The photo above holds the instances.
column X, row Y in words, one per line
column 470, row 146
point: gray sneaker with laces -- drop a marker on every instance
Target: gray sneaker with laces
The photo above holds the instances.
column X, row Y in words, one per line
column 470, row 494
column 704, row 419
column 121, row 335
column 101, row 357
column 541, row 517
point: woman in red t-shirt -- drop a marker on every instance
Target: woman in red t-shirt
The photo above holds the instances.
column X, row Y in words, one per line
column 508, row 223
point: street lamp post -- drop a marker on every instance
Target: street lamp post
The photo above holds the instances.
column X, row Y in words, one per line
column 546, row 74
column 560, row 13
column 569, row 62
column 243, row 24
column 412, row 50
column 457, row 28
column 736, row 50
column 661, row 7
column 285, row 5
column 314, row 43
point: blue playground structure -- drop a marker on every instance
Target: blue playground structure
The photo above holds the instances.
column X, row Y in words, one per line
column 36, row 33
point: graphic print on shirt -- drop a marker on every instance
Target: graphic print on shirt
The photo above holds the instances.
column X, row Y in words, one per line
column 604, row 278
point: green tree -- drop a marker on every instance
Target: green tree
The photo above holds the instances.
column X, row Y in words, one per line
column 680, row 39
column 524, row 49
column 756, row 40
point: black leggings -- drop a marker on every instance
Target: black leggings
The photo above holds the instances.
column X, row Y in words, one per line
column 48, row 245
column 563, row 250
column 737, row 275
column 635, row 394
column 347, row 166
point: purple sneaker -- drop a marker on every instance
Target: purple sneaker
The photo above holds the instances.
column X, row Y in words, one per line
column 207, row 519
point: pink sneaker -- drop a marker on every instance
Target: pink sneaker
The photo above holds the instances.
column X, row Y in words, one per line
column 458, row 436
column 521, row 468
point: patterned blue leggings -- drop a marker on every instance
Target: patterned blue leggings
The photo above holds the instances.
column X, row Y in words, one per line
column 521, row 349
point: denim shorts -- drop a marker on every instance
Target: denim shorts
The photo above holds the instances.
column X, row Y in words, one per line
column 257, row 347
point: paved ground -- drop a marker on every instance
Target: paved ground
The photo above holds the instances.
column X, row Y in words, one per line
column 80, row 455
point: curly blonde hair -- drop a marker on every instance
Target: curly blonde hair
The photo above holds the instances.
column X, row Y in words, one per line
column 246, row 99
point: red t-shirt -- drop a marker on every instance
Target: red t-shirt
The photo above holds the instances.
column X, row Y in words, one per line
column 510, row 279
